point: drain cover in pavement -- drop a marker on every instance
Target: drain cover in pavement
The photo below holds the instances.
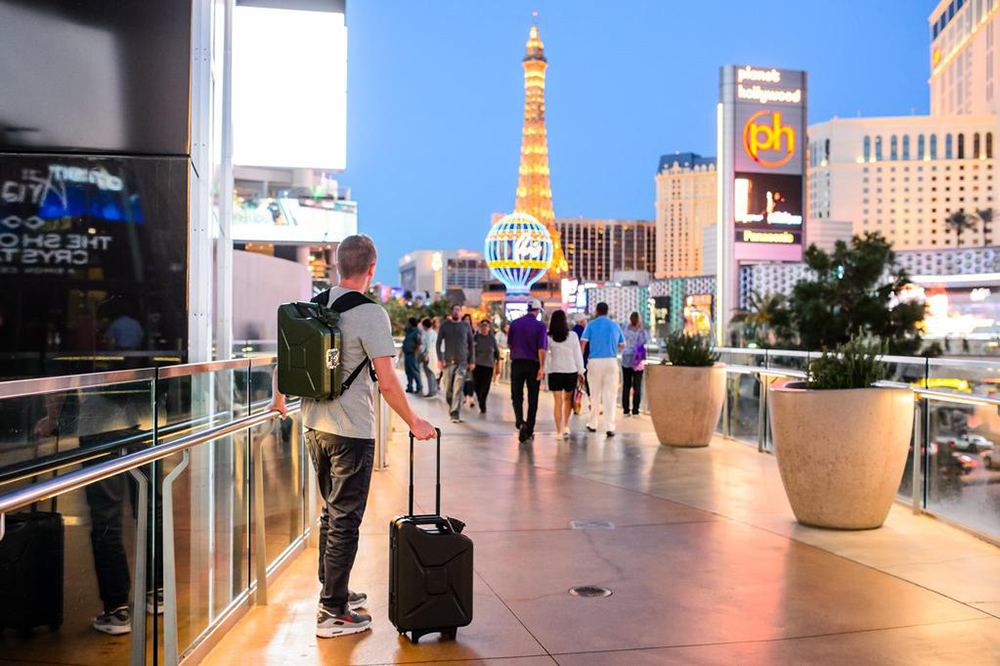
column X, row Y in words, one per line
column 592, row 525
column 590, row 591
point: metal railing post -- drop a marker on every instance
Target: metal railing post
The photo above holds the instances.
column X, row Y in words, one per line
column 260, row 535
column 138, row 655
column 917, row 481
column 171, row 653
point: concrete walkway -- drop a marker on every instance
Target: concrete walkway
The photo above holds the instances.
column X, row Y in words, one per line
column 705, row 561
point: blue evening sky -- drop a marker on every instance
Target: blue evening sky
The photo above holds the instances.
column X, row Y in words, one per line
column 435, row 97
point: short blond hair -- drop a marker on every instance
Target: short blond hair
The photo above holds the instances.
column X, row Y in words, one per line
column 355, row 255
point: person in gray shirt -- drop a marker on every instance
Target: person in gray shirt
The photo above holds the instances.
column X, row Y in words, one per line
column 340, row 436
column 487, row 359
column 456, row 358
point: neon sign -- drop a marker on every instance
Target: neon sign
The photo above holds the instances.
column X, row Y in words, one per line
column 774, row 138
column 518, row 251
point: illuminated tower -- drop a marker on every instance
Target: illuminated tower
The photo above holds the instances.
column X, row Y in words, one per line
column 534, row 193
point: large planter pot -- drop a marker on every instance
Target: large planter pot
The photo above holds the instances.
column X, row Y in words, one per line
column 685, row 403
column 841, row 453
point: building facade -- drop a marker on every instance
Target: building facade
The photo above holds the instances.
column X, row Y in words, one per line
column 964, row 57
column 685, row 206
column 904, row 176
column 596, row 249
column 436, row 271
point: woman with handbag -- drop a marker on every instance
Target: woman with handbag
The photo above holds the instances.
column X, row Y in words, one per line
column 633, row 363
column 564, row 365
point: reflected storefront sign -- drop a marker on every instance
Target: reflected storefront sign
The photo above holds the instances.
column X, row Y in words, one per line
column 93, row 259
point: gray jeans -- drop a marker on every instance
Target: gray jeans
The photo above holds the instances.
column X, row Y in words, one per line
column 453, row 381
column 344, row 470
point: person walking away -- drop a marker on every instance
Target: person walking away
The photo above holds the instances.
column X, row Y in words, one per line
column 487, row 358
column 564, row 364
column 528, row 344
column 428, row 360
column 340, row 435
column 469, row 387
column 605, row 340
column 579, row 328
column 412, row 343
column 633, row 360
column 456, row 358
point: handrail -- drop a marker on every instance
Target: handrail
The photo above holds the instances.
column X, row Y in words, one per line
column 87, row 475
column 21, row 388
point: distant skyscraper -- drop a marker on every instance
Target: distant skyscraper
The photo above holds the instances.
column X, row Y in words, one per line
column 685, row 208
column 534, row 193
column 596, row 249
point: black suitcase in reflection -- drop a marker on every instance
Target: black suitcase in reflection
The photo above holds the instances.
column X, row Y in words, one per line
column 430, row 569
column 31, row 571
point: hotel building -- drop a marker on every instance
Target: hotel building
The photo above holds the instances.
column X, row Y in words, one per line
column 904, row 176
column 596, row 249
column 685, row 207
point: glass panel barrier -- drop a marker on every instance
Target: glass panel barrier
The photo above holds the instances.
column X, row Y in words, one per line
column 78, row 555
column 282, row 460
column 205, row 532
column 77, row 560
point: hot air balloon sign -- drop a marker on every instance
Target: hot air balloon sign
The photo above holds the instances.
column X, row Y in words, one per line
column 518, row 251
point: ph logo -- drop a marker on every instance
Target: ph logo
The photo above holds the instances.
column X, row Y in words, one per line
column 768, row 142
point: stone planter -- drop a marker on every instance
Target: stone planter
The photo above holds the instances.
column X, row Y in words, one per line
column 685, row 402
column 841, row 453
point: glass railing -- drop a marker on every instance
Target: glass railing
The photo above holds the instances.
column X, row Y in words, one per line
column 134, row 501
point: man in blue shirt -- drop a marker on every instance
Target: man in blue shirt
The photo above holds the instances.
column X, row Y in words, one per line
column 603, row 338
column 528, row 343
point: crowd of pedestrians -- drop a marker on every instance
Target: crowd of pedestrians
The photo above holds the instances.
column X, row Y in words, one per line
column 589, row 358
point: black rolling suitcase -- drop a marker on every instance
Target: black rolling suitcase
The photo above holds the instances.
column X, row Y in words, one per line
column 31, row 570
column 430, row 569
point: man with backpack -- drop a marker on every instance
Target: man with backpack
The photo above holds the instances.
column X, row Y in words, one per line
column 340, row 433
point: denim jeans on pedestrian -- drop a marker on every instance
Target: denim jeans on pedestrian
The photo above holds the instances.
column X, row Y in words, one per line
column 430, row 376
column 453, row 382
column 412, row 373
column 344, row 470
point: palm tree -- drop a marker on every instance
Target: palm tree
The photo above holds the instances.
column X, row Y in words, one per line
column 985, row 216
column 960, row 221
column 761, row 315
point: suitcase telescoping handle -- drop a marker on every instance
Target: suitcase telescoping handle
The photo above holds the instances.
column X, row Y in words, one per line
column 437, row 464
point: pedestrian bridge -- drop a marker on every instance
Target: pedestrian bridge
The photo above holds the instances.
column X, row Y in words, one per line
column 699, row 549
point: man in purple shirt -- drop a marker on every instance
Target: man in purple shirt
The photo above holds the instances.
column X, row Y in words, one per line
column 528, row 342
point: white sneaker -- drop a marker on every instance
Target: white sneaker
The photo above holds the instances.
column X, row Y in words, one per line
column 330, row 625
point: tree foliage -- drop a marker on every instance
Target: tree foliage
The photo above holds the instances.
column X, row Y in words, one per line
column 855, row 292
column 401, row 309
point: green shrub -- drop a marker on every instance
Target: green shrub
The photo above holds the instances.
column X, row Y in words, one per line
column 852, row 365
column 695, row 351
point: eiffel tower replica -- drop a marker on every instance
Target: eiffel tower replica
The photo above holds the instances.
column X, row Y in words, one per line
column 534, row 193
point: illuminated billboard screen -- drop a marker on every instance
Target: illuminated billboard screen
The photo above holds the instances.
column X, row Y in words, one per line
column 289, row 88
column 698, row 314
column 293, row 220
column 768, row 148
column 768, row 208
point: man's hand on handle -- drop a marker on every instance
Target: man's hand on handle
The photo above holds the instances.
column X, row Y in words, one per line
column 422, row 429
column 278, row 404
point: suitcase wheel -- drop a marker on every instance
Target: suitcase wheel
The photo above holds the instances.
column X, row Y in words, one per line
column 449, row 633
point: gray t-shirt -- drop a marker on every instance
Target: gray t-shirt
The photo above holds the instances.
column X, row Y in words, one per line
column 365, row 330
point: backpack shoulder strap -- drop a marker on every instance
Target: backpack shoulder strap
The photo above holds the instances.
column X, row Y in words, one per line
column 349, row 301
column 322, row 298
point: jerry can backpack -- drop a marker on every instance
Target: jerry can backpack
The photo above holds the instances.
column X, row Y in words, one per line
column 310, row 347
